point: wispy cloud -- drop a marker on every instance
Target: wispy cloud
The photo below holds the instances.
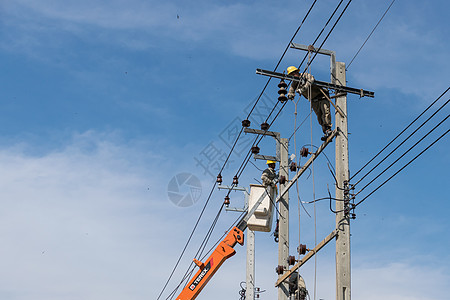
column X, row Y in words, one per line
column 400, row 281
column 407, row 52
column 75, row 221
column 91, row 220
column 141, row 25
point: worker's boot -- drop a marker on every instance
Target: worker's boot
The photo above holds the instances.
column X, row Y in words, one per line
column 327, row 133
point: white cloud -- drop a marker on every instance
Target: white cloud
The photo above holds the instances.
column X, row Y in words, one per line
column 79, row 222
column 140, row 25
column 256, row 31
column 400, row 281
column 90, row 220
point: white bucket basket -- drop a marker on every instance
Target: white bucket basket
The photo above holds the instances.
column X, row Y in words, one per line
column 261, row 220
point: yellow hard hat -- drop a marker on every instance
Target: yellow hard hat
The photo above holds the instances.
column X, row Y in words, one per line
column 270, row 162
column 291, row 69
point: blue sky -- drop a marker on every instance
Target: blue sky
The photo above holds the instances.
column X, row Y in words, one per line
column 104, row 102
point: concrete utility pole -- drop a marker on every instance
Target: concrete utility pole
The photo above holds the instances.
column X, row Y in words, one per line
column 283, row 227
column 343, row 275
column 250, row 270
column 282, row 156
column 342, row 230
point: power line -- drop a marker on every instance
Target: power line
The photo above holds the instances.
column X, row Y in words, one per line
column 299, row 126
column 245, row 162
column 191, row 268
column 412, row 147
column 242, row 167
column 247, row 158
column 282, row 56
column 414, row 132
column 209, row 197
column 370, row 35
column 199, row 252
column 410, row 124
column 423, row 151
column 223, row 235
column 309, row 63
column 320, row 47
column 328, row 35
column 187, row 243
column 321, row 31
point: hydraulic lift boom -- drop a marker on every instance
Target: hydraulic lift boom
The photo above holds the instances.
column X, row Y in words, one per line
column 223, row 251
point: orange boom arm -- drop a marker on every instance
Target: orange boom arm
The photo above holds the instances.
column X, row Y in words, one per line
column 223, row 251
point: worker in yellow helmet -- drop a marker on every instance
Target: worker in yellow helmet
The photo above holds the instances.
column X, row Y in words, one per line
column 269, row 176
column 315, row 94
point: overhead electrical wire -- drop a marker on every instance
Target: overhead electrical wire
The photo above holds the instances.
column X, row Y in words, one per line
column 200, row 251
column 306, row 118
column 406, row 139
column 321, row 199
column 243, row 165
column 268, row 81
column 188, row 241
column 262, row 92
column 328, row 35
column 379, row 21
column 223, row 235
column 299, row 201
column 406, row 128
column 242, row 168
column 209, row 197
column 191, row 269
column 282, row 56
column 418, row 155
column 406, row 152
column 256, row 143
column 245, row 162
column 316, row 51
column 309, row 63
column 320, row 33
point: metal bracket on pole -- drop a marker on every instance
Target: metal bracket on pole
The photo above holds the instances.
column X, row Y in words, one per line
column 307, row 257
column 307, row 164
column 266, row 157
column 282, row 149
column 308, row 48
column 236, row 188
column 275, row 135
column 330, row 53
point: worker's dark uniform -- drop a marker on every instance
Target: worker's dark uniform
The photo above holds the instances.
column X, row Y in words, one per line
column 319, row 102
column 268, row 176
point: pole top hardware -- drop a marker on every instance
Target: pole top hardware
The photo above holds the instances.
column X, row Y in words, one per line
column 322, row 84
